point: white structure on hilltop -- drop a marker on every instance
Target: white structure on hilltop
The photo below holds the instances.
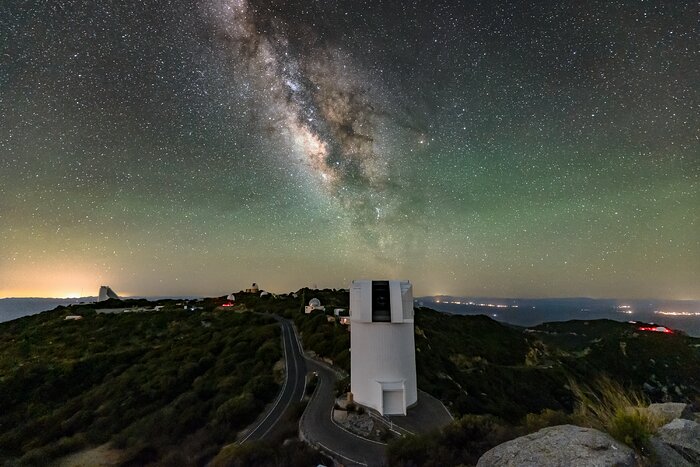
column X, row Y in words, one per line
column 314, row 304
column 106, row 293
column 382, row 346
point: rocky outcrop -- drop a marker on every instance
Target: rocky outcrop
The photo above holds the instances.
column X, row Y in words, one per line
column 670, row 411
column 563, row 445
column 677, row 444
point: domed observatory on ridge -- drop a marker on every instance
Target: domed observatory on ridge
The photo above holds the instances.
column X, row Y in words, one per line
column 382, row 347
column 106, row 293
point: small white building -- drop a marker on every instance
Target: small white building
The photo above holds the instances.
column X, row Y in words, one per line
column 314, row 304
column 382, row 347
column 73, row 318
column 253, row 288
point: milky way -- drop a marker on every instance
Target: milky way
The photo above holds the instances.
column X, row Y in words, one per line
column 501, row 147
column 318, row 101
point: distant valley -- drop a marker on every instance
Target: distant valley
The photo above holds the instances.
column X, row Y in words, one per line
column 681, row 315
column 13, row 308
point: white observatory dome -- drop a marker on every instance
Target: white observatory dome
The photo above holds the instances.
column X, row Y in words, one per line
column 314, row 302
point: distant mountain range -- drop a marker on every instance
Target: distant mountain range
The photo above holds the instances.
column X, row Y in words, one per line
column 683, row 315
column 13, row 308
column 678, row 314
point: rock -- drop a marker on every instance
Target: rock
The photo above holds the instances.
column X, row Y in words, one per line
column 563, row 445
column 670, row 411
column 666, row 456
column 681, row 436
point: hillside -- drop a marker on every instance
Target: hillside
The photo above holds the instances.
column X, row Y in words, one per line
column 477, row 365
column 159, row 385
column 175, row 385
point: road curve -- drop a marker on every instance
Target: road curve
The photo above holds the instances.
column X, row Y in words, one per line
column 318, row 429
column 316, row 425
column 292, row 388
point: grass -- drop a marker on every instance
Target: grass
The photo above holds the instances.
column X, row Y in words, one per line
column 607, row 406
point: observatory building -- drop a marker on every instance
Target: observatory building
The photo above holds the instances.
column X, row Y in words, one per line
column 382, row 347
column 314, row 304
column 106, row 293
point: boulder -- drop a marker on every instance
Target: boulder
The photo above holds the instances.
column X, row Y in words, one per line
column 666, row 456
column 563, row 445
column 679, row 439
column 670, row 411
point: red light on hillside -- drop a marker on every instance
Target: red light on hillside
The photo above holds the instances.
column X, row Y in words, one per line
column 227, row 304
column 662, row 329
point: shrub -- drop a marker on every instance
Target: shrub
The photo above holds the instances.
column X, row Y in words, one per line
column 342, row 386
column 548, row 417
column 633, row 427
column 459, row 443
column 236, row 411
column 609, row 407
column 235, row 455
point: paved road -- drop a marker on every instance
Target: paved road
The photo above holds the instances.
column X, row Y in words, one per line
column 318, row 428
column 316, row 424
column 292, row 388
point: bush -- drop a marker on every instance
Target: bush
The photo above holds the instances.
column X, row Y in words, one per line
column 634, row 428
column 342, row 386
column 236, row 411
column 235, row 455
column 294, row 454
column 609, row 407
column 459, row 443
column 548, row 417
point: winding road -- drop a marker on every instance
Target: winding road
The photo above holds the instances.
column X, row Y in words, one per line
column 316, row 426
column 292, row 388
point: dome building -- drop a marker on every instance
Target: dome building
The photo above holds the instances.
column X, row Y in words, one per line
column 314, row 304
column 106, row 293
column 382, row 346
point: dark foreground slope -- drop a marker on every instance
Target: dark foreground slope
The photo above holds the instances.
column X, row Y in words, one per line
column 479, row 366
column 476, row 365
column 169, row 385
column 173, row 387
column 502, row 382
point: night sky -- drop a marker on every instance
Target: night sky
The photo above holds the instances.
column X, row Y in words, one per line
column 487, row 148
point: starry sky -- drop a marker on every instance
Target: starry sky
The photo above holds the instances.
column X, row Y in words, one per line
column 493, row 148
